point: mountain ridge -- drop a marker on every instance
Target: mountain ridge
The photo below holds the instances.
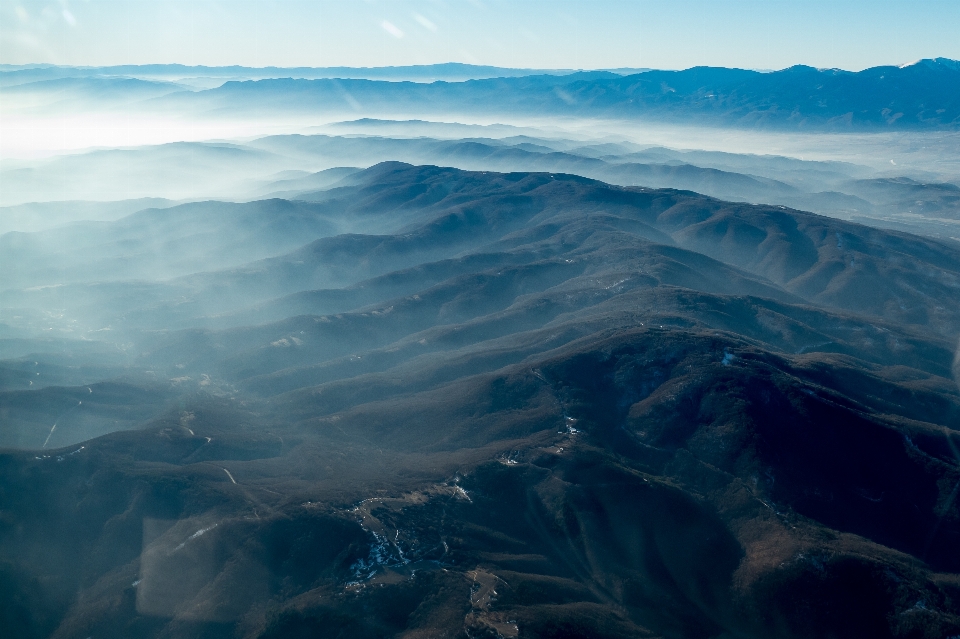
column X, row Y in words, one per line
column 920, row 96
column 917, row 96
column 527, row 404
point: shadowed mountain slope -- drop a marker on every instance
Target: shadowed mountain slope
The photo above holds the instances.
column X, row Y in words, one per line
column 294, row 166
column 441, row 213
column 654, row 481
column 512, row 405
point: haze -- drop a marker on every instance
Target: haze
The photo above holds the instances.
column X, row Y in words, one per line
column 388, row 319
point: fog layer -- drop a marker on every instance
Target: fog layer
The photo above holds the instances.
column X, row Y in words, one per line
column 517, row 374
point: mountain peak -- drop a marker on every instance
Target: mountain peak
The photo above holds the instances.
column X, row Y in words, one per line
column 935, row 63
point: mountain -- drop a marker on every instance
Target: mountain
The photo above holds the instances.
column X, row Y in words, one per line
column 291, row 166
column 56, row 95
column 40, row 216
column 919, row 96
column 483, row 404
column 179, row 170
column 438, row 213
column 162, row 243
column 204, row 76
column 905, row 195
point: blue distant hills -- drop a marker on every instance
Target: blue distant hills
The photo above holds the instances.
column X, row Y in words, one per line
column 922, row 95
column 449, row 71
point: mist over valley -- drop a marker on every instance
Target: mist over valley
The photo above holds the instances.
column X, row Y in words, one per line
column 471, row 351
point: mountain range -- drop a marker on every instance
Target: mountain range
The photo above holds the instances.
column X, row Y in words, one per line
column 906, row 197
column 423, row 401
column 482, row 353
column 206, row 76
column 924, row 95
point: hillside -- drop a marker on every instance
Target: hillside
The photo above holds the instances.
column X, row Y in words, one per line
column 476, row 404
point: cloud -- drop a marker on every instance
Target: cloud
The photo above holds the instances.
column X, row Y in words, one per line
column 69, row 17
column 392, row 29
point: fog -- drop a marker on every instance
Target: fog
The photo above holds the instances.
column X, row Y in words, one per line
column 195, row 220
column 394, row 357
column 190, row 216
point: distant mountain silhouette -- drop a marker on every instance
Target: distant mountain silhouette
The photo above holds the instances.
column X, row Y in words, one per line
column 919, row 96
column 12, row 75
column 923, row 95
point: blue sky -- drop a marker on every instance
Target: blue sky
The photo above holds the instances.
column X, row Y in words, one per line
column 769, row 34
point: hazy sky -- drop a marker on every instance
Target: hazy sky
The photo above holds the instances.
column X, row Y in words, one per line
column 767, row 34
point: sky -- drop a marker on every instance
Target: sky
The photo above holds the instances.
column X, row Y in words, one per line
column 555, row 34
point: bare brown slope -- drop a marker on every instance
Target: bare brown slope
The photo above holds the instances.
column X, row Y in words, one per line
column 621, row 413
column 672, row 482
